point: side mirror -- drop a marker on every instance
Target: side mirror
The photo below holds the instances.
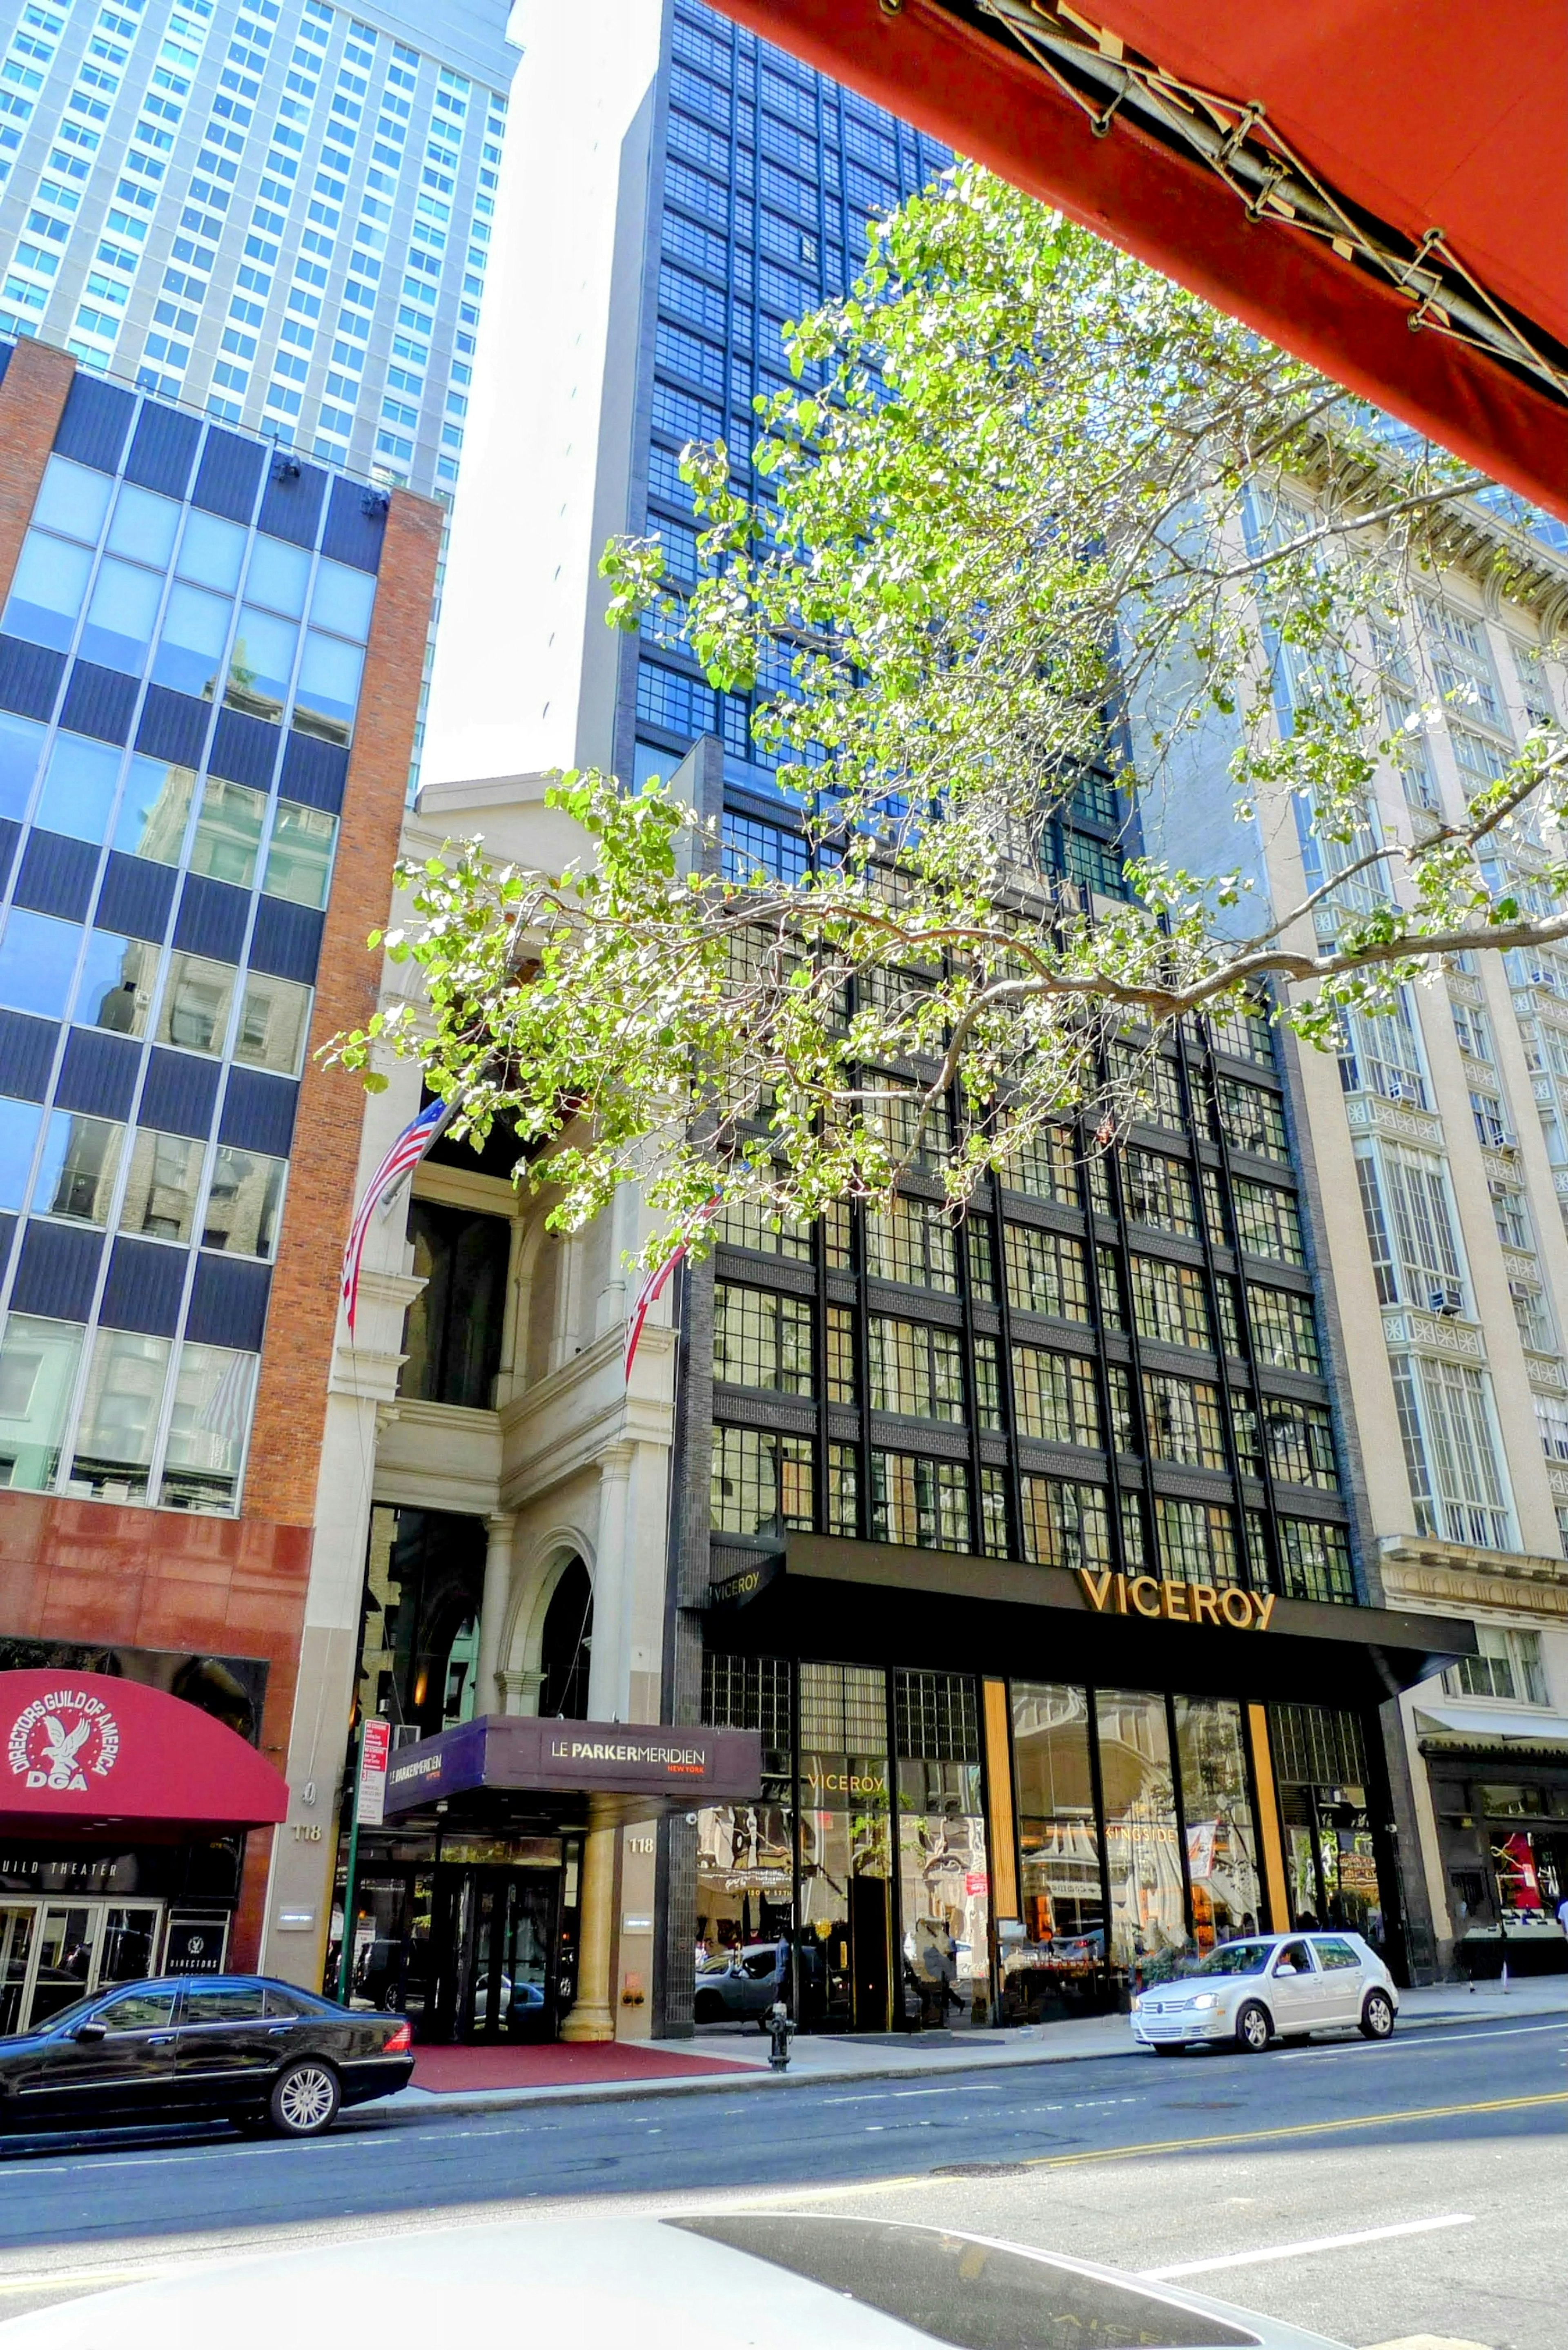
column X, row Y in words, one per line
column 91, row 2030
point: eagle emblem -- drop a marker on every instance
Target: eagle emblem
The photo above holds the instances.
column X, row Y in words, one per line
column 59, row 1738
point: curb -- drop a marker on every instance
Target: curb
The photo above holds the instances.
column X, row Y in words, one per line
column 492, row 2101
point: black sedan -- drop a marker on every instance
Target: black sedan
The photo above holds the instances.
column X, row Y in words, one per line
column 265, row 2054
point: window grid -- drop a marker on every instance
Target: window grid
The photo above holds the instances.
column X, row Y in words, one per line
column 1197, row 1541
column 1055, row 1397
column 1184, row 1421
column 1169, row 1302
column 916, row 1370
column 763, row 1338
column 1046, row 1273
column 919, row 1502
column 762, row 1482
column 1065, row 1525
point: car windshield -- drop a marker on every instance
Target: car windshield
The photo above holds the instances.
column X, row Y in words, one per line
column 1236, row 1959
column 720, row 1964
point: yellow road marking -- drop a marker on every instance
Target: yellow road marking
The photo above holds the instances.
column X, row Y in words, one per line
column 60, row 2279
column 1196, row 2145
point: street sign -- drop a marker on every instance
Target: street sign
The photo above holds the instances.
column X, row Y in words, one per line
column 374, row 1750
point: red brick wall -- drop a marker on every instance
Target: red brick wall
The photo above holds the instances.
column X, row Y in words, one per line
column 290, row 1398
column 31, row 398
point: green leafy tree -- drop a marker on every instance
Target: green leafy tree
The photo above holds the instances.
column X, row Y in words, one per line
column 1031, row 525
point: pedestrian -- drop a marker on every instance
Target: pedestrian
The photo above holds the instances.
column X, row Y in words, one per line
column 1562, row 1916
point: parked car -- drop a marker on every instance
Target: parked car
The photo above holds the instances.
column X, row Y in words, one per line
column 1269, row 1987
column 740, row 1982
column 776, row 2279
column 266, row 2054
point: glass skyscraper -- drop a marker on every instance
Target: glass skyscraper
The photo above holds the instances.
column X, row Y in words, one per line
column 278, row 213
column 769, row 175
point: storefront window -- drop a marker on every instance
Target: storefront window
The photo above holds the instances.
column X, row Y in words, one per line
column 1330, row 1855
column 843, row 1938
column 161, row 1189
column 81, row 1160
column 1222, row 1836
column 79, row 784
column 228, row 832
column 38, row 1377
column 273, row 1018
column 243, row 1200
column 944, row 1878
column 1061, row 1960
column 208, row 1427
column 153, row 810
column 299, row 859
column 117, row 977
column 120, row 1416
column 1142, row 1852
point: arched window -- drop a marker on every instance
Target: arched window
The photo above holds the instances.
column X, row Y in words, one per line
column 566, row 1646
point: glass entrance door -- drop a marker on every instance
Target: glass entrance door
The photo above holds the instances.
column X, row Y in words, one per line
column 52, row 1952
column 496, row 1934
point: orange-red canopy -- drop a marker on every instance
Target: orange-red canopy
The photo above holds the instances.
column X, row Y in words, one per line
column 1330, row 171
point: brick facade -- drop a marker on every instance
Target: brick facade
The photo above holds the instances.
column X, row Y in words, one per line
column 291, row 1397
column 32, row 395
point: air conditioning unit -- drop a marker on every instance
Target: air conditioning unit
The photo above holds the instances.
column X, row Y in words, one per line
column 1448, row 1299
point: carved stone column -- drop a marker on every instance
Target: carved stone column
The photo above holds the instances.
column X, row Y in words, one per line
column 488, row 1695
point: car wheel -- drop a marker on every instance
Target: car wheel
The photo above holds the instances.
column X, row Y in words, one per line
column 305, row 2098
column 708, row 2008
column 1377, row 2015
column 1253, row 2030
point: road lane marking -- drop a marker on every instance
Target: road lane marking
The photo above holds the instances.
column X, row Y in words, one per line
column 1181, row 2145
column 1311, row 2244
column 60, row 2280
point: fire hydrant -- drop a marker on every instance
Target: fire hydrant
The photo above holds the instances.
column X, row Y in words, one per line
column 781, row 2031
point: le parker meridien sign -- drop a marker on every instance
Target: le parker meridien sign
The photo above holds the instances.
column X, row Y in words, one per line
column 1110, row 1594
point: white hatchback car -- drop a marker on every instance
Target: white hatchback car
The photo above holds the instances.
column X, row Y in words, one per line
column 1269, row 1987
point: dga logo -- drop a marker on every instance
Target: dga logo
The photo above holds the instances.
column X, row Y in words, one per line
column 59, row 1738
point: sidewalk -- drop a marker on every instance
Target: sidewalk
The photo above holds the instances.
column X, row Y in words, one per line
column 461, row 2080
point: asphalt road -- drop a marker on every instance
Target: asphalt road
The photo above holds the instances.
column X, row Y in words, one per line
column 1441, row 2158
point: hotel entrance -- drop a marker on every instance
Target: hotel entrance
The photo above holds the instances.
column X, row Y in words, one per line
column 502, row 1968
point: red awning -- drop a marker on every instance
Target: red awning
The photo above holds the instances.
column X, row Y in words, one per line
column 84, row 1753
column 1332, row 170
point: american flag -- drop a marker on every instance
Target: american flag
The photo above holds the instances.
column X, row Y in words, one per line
column 405, row 1154
column 653, row 1284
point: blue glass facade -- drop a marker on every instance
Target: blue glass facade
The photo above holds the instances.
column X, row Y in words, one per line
column 180, row 666
column 769, row 175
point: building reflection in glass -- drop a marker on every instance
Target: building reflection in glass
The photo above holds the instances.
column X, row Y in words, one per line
column 1143, row 1848
column 1058, row 1965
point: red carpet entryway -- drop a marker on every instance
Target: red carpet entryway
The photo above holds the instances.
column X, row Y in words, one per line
column 562, row 2064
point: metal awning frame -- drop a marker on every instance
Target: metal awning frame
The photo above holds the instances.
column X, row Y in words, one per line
column 1234, row 141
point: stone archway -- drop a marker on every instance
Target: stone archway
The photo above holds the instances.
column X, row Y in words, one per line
column 565, row 1643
